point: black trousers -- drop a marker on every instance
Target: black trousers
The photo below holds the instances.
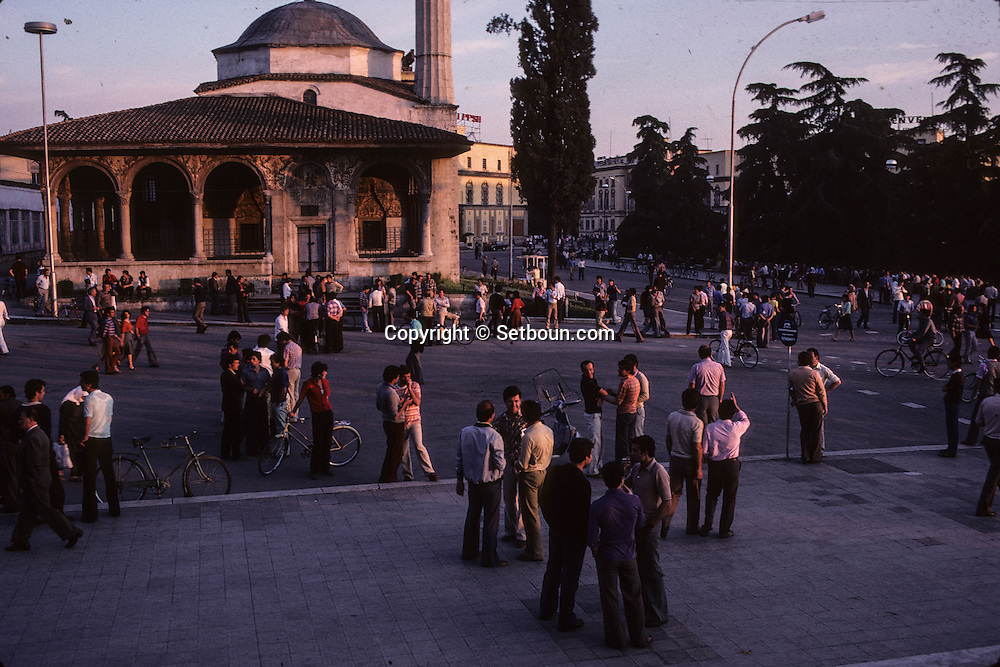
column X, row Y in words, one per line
column 334, row 336
column 992, row 448
column 562, row 578
column 810, row 438
column 484, row 499
column 232, row 433
column 395, row 441
column 97, row 451
column 35, row 501
column 322, row 426
column 724, row 479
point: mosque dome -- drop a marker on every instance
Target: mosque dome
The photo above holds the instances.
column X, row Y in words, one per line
column 307, row 23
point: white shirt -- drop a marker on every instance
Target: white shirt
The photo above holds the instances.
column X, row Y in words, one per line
column 42, row 283
column 280, row 324
column 989, row 417
column 722, row 438
column 829, row 377
column 375, row 300
column 265, row 358
column 559, row 289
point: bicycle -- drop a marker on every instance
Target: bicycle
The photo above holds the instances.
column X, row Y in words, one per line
column 904, row 335
column 204, row 475
column 741, row 348
column 459, row 333
column 830, row 315
column 345, row 445
column 890, row 363
column 70, row 313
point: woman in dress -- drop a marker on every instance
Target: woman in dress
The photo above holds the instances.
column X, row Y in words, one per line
column 516, row 306
column 845, row 322
column 128, row 338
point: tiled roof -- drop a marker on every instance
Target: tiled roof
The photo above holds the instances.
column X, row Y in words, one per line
column 228, row 120
column 397, row 88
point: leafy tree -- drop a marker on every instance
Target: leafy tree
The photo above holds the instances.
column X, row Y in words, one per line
column 550, row 116
column 954, row 181
column 694, row 229
column 643, row 229
column 767, row 172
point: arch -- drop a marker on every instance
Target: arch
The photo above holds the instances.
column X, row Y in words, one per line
column 162, row 220
column 233, row 211
column 469, row 192
column 310, row 96
column 485, row 194
column 388, row 213
column 89, row 214
column 499, row 194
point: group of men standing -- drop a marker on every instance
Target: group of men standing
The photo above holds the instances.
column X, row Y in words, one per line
column 31, row 459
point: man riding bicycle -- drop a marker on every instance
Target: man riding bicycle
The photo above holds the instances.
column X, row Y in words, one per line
column 922, row 338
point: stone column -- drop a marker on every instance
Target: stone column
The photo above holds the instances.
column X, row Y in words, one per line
column 425, row 224
column 64, row 244
column 125, row 198
column 197, row 201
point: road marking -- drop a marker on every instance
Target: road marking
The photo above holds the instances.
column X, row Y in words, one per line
column 963, row 420
column 830, row 356
column 915, row 406
column 865, row 363
column 867, row 392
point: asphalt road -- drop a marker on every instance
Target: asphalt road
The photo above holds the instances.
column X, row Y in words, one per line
column 183, row 394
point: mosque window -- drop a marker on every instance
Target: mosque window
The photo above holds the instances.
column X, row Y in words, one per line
column 500, row 194
column 485, row 196
column 468, row 191
column 309, row 97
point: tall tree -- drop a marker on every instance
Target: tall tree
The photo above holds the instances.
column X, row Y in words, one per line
column 768, row 172
column 955, row 180
column 644, row 228
column 550, row 116
column 695, row 230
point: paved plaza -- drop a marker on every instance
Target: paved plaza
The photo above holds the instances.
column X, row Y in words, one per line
column 873, row 556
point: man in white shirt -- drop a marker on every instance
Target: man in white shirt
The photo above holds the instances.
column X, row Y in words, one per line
column 989, row 419
column 830, row 382
column 98, row 411
column 685, row 432
column 722, row 449
column 42, row 289
column 560, row 292
column 376, row 305
column 281, row 322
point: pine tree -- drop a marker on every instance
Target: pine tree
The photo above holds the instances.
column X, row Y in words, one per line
column 643, row 229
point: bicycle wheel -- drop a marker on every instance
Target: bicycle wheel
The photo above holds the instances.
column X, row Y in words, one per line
column 130, row 477
column 901, row 336
column 938, row 339
column 272, row 455
column 889, row 363
column 969, row 390
column 798, row 319
column 206, row 476
column 825, row 320
column 68, row 314
column 714, row 344
column 747, row 354
column 936, row 364
column 345, row 445
column 464, row 334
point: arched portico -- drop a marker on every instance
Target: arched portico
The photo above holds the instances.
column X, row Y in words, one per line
column 161, row 215
column 233, row 212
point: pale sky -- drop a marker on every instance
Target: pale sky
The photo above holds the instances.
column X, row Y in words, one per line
column 673, row 59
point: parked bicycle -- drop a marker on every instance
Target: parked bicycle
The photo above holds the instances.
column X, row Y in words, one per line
column 345, row 445
column 891, row 362
column 70, row 313
column 204, row 475
column 740, row 348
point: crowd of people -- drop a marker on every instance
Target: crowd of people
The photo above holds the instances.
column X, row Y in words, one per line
column 506, row 461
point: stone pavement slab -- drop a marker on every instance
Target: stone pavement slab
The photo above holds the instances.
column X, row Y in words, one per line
column 828, row 567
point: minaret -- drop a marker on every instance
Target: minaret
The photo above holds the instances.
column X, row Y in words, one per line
column 432, row 66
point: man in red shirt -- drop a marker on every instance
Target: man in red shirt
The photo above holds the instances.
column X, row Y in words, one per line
column 142, row 331
column 317, row 390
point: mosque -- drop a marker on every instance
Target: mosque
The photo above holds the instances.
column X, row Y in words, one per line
column 318, row 147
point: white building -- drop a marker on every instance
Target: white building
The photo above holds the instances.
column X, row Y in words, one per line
column 488, row 196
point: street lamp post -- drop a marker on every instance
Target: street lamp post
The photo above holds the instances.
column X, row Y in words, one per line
column 42, row 28
column 808, row 18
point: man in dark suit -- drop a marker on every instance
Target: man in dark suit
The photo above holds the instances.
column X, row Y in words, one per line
column 565, row 503
column 232, row 409
column 865, row 302
column 35, row 477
